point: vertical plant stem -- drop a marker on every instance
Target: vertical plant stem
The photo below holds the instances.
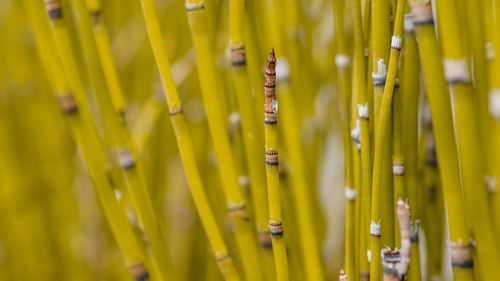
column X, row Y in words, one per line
column 272, row 171
column 76, row 111
column 211, row 92
column 410, row 90
column 442, row 121
column 433, row 203
column 362, row 109
column 494, row 110
column 251, row 136
column 380, row 44
column 342, row 61
column 456, row 71
column 382, row 134
column 184, row 143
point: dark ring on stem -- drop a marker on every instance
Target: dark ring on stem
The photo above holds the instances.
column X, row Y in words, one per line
column 270, row 85
column 270, row 122
column 276, row 229
column 461, row 256
column 424, row 22
column 468, row 264
column 379, row 83
column 194, row 8
column 265, row 239
column 421, row 14
column 139, row 272
column 126, row 160
column 239, row 63
column 270, row 73
column 238, row 57
column 96, row 16
column 452, row 82
column 414, row 238
column 67, row 104
column 55, row 14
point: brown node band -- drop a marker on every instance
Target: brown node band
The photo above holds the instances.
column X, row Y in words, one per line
column 276, row 229
column 461, row 255
column 265, row 239
column 390, row 261
column 53, row 8
column 272, row 158
column 270, row 85
column 67, row 104
column 139, row 272
column 238, row 212
column 238, row 57
column 421, row 13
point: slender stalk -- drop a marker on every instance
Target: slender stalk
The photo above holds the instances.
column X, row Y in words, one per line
column 127, row 161
column 106, row 57
column 433, row 203
column 398, row 159
column 359, row 85
column 456, row 71
column 440, row 107
column 251, row 136
column 76, row 111
column 494, row 110
column 308, row 238
column 380, row 44
column 342, row 62
column 410, row 99
column 211, row 92
column 381, row 136
column 272, row 171
column 184, row 143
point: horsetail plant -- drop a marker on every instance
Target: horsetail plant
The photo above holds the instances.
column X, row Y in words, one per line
column 75, row 109
column 184, row 143
column 272, row 171
column 440, row 107
column 381, row 137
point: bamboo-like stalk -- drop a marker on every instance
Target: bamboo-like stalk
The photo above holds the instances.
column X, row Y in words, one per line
column 184, row 143
column 127, row 160
column 433, row 203
column 272, row 171
column 251, row 136
column 440, row 107
column 494, row 97
column 380, row 44
column 398, row 158
column 104, row 51
column 342, row 62
column 211, row 92
column 382, row 134
column 302, row 197
column 456, row 71
column 410, row 100
column 359, row 86
column 77, row 114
